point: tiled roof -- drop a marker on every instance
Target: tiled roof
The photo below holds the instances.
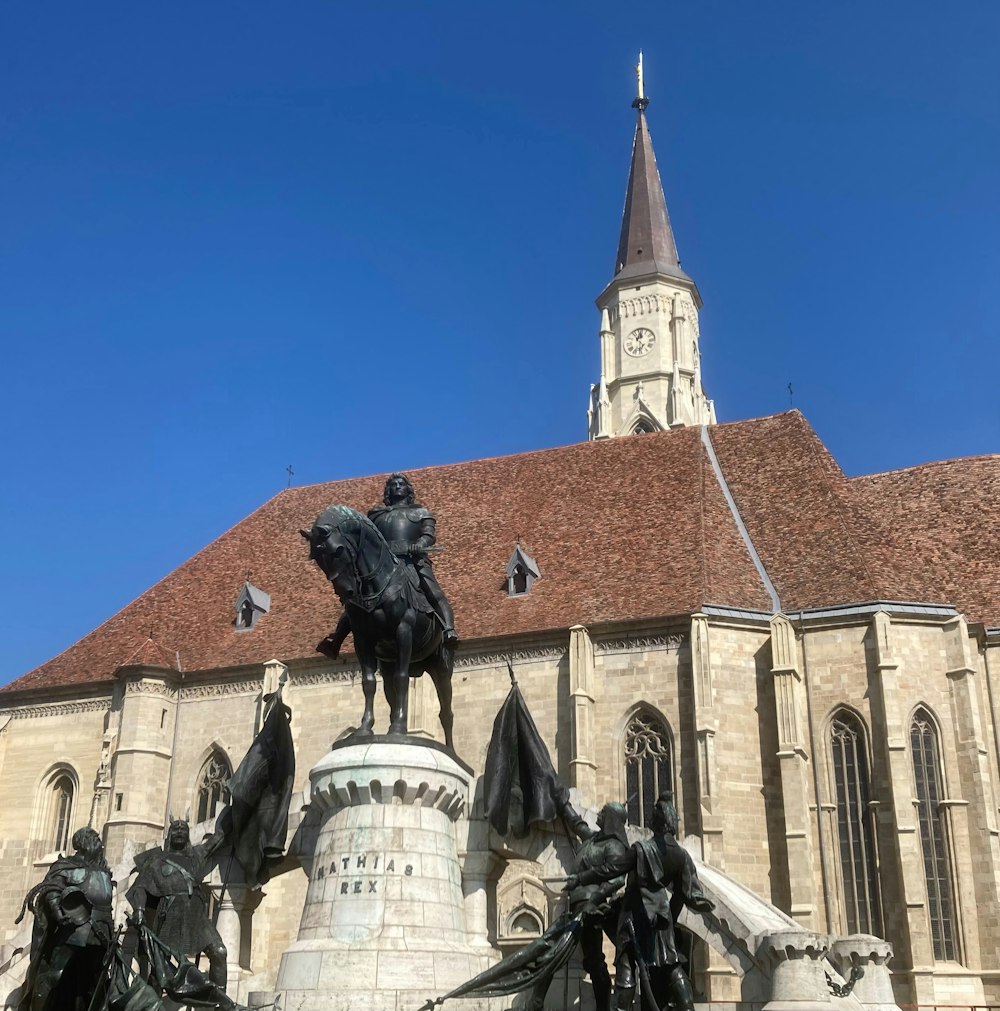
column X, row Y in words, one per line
column 799, row 511
column 941, row 522
column 623, row 529
column 626, row 529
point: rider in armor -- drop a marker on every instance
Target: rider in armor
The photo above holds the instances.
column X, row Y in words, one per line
column 409, row 529
column 72, row 935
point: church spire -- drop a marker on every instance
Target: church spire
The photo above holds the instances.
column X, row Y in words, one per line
column 646, row 244
column 650, row 360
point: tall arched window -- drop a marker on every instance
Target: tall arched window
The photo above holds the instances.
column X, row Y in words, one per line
column 60, row 808
column 649, row 766
column 933, row 835
column 855, row 829
column 215, row 775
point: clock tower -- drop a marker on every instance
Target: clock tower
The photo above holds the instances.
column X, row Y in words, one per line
column 650, row 362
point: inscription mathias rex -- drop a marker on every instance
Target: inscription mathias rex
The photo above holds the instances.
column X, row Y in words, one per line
column 360, row 873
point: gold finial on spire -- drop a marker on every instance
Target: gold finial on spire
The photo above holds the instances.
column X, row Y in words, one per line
column 640, row 101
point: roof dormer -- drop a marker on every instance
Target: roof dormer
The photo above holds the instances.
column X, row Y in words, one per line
column 250, row 605
column 522, row 571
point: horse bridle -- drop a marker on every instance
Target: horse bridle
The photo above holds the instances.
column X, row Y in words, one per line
column 369, row 598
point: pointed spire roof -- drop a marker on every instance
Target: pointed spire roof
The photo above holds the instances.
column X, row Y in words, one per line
column 646, row 245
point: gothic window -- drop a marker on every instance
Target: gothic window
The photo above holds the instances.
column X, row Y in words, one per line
column 525, row 921
column 933, row 835
column 61, row 792
column 643, row 428
column 649, row 767
column 855, row 828
column 215, row 774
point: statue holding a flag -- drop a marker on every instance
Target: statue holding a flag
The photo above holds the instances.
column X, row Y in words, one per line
column 168, row 896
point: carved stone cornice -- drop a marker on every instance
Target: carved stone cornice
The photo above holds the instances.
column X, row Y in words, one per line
column 672, row 641
column 60, row 709
column 223, row 689
column 499, row 658
column 159, row 689
column 308, row 679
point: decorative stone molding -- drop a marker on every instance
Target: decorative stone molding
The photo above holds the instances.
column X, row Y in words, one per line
column 500, row 659
column 631, row 644
column 389, row 774
column 158, row 689
column 223, row 689
column 60, row 709
column 309, row 679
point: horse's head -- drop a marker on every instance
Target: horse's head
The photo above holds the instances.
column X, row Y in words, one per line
column 333, row 548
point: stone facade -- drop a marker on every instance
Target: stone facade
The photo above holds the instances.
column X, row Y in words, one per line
column 747, row 702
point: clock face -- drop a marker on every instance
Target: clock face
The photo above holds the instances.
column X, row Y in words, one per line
column 640, row 342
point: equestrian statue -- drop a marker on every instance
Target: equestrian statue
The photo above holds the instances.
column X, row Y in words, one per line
column 400, row 618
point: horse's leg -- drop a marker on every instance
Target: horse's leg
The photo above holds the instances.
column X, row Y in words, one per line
column 369, row 664
column 399, row 705
column 440, row 670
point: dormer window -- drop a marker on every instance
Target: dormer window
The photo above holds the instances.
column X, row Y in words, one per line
column 643, row 428
column 522, row 571
column 250, row 605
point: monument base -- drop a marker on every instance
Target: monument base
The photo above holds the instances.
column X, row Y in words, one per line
column 383, row 927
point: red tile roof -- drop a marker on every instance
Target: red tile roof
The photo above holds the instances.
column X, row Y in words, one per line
column 941, row 522
column 626, row 529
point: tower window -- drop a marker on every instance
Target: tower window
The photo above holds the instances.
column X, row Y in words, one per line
column 649, row 766
column 215, row 775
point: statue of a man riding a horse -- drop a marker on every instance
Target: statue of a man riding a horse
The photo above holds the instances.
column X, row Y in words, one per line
column 402, row 623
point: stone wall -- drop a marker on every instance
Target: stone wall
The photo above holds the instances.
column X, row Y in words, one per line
column 748, row 703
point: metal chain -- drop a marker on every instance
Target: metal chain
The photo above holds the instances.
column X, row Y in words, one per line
column 842, row 991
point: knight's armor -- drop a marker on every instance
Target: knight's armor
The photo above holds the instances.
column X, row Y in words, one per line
column 409, row 529
column 87, row 898
column 170, row 881
column 72, row 934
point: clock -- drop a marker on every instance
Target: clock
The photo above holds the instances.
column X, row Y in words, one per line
column 640, row 342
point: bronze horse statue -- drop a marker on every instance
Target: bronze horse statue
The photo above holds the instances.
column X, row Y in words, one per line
column 396, row 630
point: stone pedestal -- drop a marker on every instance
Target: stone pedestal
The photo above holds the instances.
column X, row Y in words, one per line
column 798, row 978
column 872, row 955
column 384, row 924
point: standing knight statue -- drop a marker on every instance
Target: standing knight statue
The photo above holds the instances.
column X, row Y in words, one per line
column 71, row 942
column 169, row 889
column 409, row 529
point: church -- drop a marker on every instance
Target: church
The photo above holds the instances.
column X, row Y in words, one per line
column 810, row 662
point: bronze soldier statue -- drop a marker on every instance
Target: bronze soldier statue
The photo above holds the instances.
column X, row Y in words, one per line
column 71, row 942
column 661, row 880
column 604, row 852
column 409, row 529
column 169, row 887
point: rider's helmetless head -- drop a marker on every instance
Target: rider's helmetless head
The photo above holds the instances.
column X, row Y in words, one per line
column 398, row 489
column 88, row 843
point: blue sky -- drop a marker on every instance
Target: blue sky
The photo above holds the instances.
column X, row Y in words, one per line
column 358, row 237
